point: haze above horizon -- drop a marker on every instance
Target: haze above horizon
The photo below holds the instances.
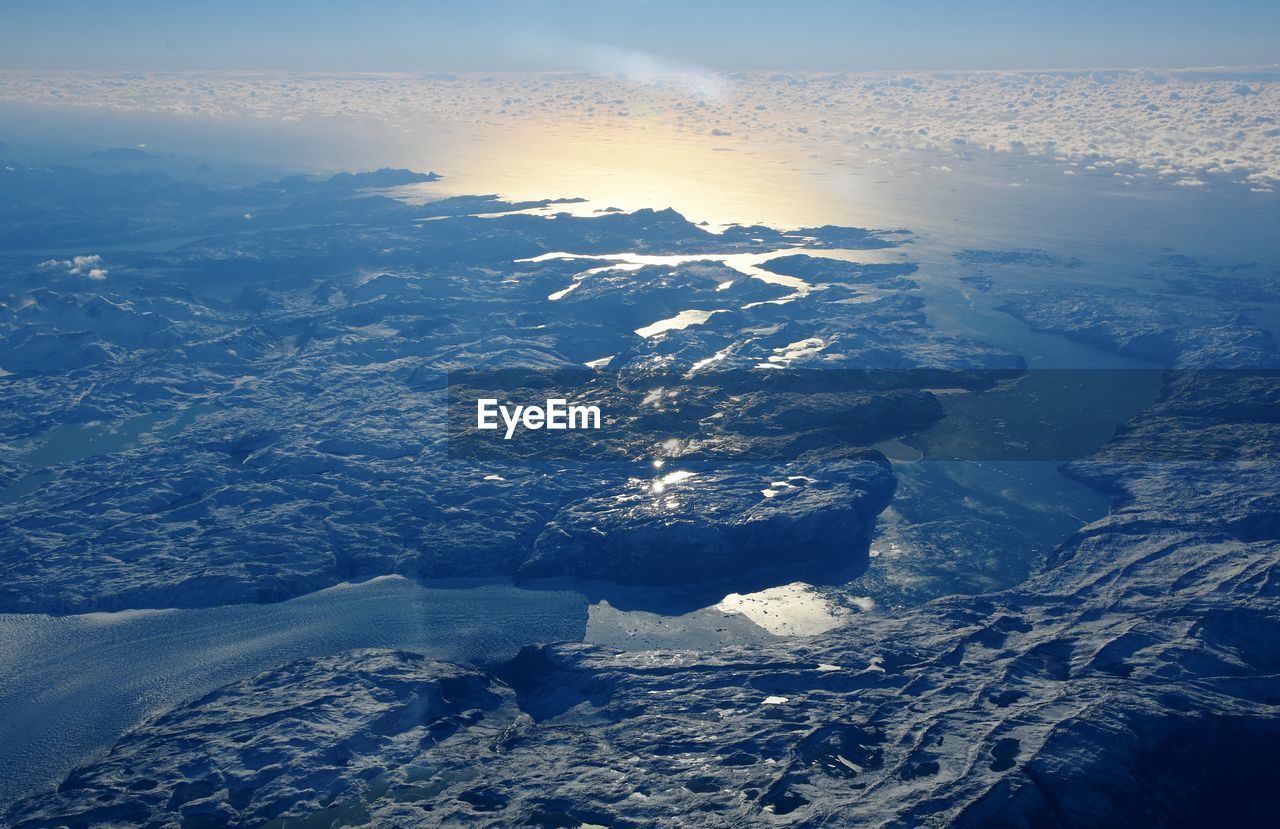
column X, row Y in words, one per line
column 647, row 36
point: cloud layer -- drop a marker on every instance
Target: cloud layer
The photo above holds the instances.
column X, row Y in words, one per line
column 1179, row 126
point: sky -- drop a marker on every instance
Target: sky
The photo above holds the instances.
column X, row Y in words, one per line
column 626, row 35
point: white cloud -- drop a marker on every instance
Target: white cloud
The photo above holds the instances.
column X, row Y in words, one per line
column 86, row 266
column 1179, row 125
column 635, row 66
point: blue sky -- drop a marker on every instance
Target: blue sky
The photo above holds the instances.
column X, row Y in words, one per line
column 519, row 35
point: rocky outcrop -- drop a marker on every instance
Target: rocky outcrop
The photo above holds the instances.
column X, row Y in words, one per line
column 1188, row 332
column 683, row 526
column 292, row 742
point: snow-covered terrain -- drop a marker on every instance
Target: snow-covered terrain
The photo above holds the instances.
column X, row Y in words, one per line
column 1142, row 659
column 226, row 420
column 261, row 412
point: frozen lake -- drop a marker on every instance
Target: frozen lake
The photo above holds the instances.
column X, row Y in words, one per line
column 70, row 686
